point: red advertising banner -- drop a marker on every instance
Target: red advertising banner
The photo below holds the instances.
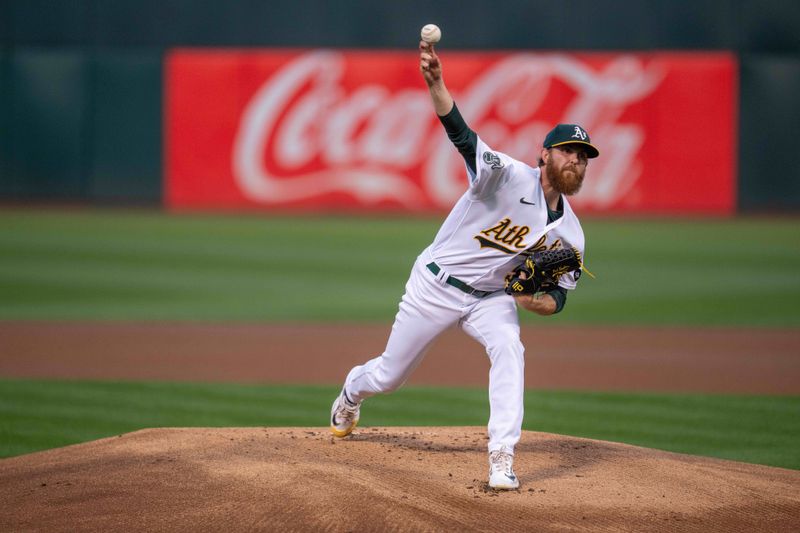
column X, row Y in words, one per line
column 355, row 130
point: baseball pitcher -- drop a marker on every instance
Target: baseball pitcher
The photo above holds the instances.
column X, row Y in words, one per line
column 511, row 240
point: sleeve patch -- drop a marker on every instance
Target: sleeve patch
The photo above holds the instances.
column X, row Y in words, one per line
column 491, row 158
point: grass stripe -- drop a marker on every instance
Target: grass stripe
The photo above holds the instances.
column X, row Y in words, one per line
column 124, row 265
column 38, row 414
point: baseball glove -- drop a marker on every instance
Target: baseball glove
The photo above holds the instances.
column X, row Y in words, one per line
column 541, row 270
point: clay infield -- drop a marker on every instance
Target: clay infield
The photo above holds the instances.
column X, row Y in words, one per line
column 391, row 479
column 382, row 479
column 675, row 359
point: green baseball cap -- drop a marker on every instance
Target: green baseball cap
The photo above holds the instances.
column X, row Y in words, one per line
column 570, row 134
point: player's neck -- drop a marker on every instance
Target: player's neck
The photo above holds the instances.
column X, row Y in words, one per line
column 551, row 195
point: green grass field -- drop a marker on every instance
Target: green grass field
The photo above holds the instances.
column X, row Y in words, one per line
column 107, row 265
column 127, row 265
column 37, row 415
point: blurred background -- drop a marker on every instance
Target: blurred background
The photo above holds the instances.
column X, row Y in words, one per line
column 82, row 83
column 178, row 177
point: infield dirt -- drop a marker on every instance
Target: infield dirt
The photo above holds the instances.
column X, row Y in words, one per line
column 382, row 479
column 677, row 359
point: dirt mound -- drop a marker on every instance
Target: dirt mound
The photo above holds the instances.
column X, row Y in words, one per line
column 254, row 479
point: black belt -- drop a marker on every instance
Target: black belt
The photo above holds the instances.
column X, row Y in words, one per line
column 458, row 284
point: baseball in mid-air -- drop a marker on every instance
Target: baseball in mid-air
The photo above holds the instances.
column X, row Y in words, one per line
column 431, row 33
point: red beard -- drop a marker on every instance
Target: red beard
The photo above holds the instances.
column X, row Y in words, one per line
column 567, row 180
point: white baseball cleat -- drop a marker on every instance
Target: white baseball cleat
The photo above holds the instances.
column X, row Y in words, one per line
column 501, row 471
column 344, row 415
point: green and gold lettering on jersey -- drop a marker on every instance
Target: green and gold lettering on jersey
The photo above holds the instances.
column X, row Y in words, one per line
column 541, row 245
column 504, row 236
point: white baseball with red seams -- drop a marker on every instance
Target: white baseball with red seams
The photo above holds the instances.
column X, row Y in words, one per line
column 502, row 213
column 431, row 33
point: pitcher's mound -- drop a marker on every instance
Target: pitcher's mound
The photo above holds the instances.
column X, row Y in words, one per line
column 383, row 479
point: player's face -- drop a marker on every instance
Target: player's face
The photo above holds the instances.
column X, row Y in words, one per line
column 566, row 168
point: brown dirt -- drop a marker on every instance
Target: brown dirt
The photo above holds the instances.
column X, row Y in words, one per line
column 382, row 479
column 713, row 360
column 390, row 478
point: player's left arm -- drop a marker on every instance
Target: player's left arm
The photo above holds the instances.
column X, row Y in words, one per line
column 551, row 297
column 543, row 303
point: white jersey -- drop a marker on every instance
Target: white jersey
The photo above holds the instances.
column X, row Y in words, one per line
column 502, row 213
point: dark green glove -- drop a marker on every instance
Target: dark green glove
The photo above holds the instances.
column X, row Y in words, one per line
column 541, row 270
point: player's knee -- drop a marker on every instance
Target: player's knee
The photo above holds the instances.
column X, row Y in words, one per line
column 508, row 348
column 515, row 347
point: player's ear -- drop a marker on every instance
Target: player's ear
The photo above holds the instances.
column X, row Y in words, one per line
column 544, row 155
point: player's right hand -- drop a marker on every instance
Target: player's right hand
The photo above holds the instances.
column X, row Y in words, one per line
column 429, row 63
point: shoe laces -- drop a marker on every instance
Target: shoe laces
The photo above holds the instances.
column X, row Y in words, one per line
column 346, row 412
column 502, row 461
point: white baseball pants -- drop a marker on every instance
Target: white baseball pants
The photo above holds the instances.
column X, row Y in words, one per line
column 428, row 307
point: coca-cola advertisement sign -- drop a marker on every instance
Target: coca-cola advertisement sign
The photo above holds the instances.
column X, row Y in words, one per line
column 356, row 130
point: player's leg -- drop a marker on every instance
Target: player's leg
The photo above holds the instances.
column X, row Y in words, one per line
column 424, row 313
column 493, row 322
column 426, row 309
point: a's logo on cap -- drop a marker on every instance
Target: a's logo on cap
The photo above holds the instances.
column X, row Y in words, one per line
column 579, row 134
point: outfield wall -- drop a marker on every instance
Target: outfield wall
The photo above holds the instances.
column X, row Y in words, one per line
column 354, row 130
column 82, row 86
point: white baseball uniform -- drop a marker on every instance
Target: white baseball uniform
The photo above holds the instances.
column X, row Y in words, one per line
column 502, row 213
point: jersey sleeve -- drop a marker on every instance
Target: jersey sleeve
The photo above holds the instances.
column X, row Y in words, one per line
column 463, row 138
column 492, row 170
column 559, row 294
